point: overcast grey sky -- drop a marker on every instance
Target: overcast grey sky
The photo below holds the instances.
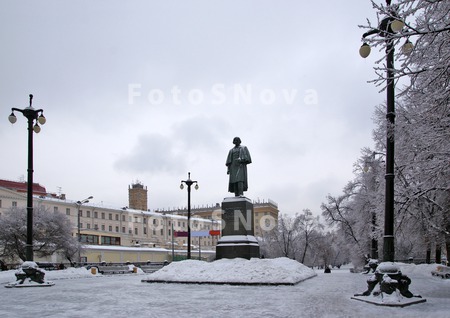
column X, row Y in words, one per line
column 150, row 90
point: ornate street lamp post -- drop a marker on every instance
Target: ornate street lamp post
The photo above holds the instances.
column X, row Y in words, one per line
column 79, row 204
column 189, row 183
column 388, row 27
column 388, row 275
column 35, row 117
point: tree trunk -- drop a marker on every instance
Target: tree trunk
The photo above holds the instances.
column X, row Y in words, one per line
column 447, row 247
column 428, row 258
column 438, row 253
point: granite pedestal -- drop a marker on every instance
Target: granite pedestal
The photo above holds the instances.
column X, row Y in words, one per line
column 237, row 239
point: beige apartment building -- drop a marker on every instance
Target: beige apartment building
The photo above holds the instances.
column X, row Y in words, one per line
column 265, row 214
column 134, row 233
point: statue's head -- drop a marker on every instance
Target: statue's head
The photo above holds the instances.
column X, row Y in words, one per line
column 237, row 141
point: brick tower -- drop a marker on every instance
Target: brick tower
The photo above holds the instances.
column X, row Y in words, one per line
column 137, row 196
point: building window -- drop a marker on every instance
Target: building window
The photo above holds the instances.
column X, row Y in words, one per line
column 162, row 232
column 117, row 229
column 81, row 225
column 123, row 229
column 110, row 240
column 103, row 227
column 88, row 226
column 96, row 214
column 144, row 220
column 67, row 211
column 91, row 239
column 110, row 216
column 14, row 203
column 123, row 218
column 110, row 228
column 145, row 230
column 95, row 226
column 103, row 215
column 80, row 212
column 88, row 214
column 117, row 217
column 135, row 231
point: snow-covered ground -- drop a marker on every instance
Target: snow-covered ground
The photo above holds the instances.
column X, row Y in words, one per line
column 78, row 293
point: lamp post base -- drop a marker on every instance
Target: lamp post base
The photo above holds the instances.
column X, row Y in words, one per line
column 389, row 287
column 29, row 275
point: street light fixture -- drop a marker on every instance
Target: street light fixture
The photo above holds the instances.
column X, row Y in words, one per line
column 388, row 275
column 35, row 117
column 79, row 204
column 189, row 183
column 387, row 29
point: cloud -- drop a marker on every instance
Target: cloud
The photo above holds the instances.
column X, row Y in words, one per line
column 153, row 153
column 201, row 133
column 190, row 140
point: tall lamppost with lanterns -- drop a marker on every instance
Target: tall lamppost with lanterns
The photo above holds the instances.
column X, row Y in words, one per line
column 34, row 117
column 388, row 274
column 388, row 28
column 189, row 183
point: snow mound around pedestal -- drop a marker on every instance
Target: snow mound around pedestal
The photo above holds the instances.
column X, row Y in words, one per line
column 238, row 271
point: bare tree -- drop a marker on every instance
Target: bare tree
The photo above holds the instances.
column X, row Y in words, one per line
column 286, row 236
column 51, row 234
column 309, row 228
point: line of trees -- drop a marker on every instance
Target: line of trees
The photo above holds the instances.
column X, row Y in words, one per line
column 422, row 157
column 422, row 135
column 303, row 237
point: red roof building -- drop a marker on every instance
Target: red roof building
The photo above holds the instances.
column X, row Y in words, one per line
column 22, row 187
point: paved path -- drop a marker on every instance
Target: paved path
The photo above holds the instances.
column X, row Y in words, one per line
column 327, row 295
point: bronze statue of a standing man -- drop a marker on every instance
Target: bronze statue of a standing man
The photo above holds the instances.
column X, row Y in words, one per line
column 237, row 161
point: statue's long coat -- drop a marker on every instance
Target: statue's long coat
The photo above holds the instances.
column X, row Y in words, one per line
column 238, row 170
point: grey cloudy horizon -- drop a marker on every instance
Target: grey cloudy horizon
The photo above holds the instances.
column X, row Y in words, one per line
column 149, row 91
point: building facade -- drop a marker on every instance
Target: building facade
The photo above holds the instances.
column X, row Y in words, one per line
column 108, row 233
column 265, row 214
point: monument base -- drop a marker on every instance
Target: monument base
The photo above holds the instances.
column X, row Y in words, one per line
column 237, row 246
column 237, row 239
